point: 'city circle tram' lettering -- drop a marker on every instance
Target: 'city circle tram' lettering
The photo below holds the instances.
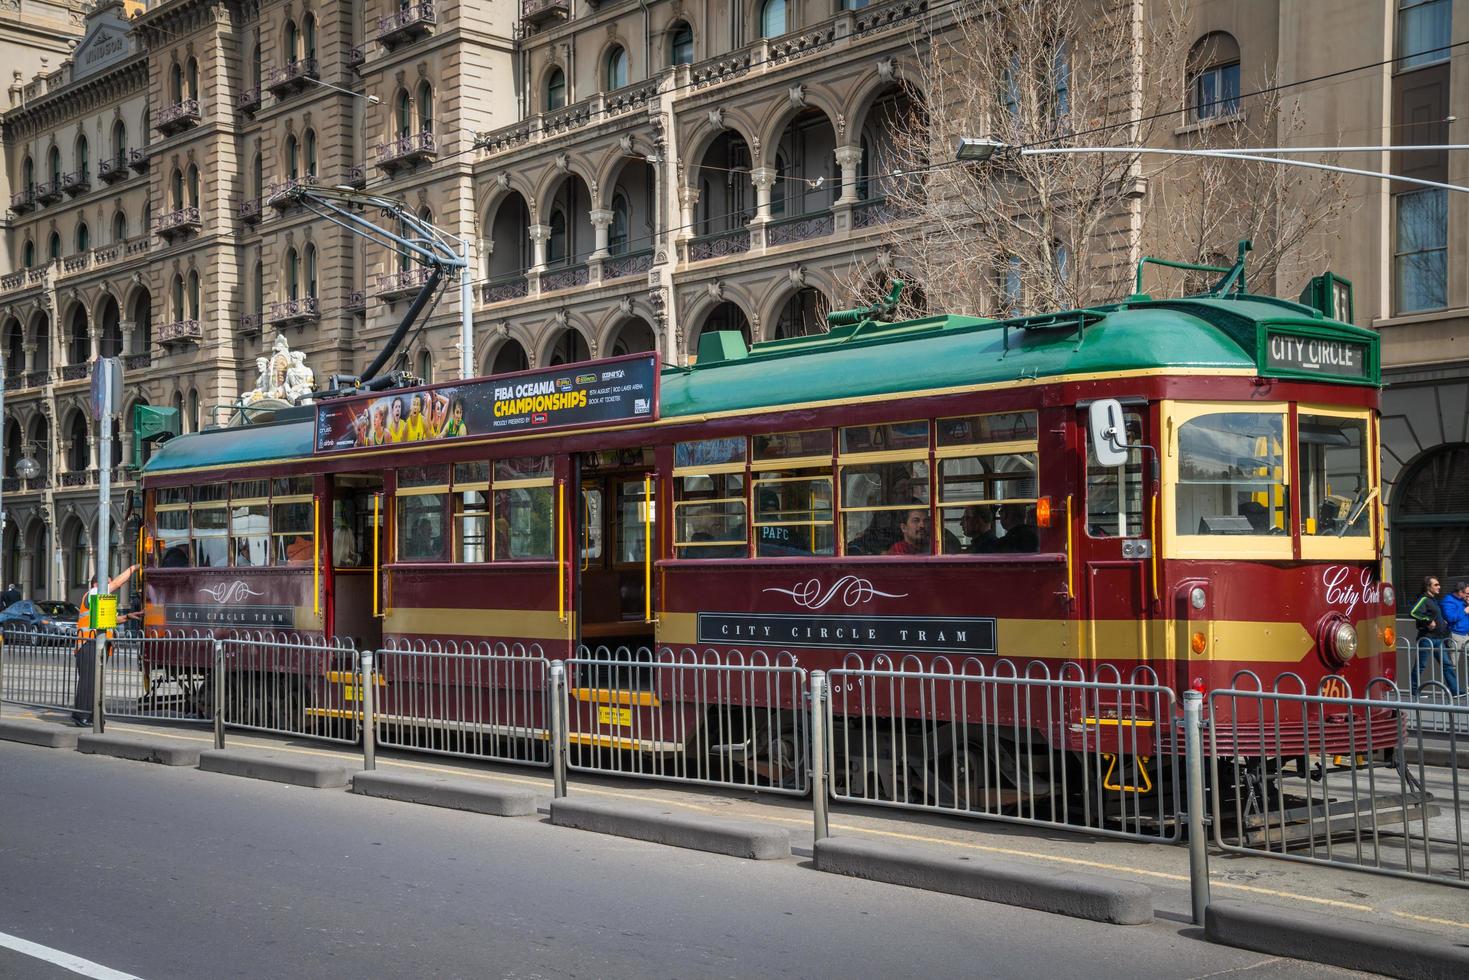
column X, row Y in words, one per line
column 924, row 634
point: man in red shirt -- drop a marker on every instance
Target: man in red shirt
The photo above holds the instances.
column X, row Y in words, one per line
column 915, row 531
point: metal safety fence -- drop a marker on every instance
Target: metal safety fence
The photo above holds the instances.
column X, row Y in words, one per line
column 160, row 676
column 715, row 718
column 989, row 739
column 1435, row 672
column 290, row 684
column 39, row 669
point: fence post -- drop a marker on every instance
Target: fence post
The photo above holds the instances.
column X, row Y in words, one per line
column 819, row 748
column 99, row 649
column 218, row 697
column 369, row 727
column 558, row 729
column 2, row 670
column 1198, row 845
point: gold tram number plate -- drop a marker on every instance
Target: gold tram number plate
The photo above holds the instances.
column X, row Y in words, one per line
column 103, row 611
column 608, row 715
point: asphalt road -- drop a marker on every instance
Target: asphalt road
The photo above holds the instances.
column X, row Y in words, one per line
column 163, row 873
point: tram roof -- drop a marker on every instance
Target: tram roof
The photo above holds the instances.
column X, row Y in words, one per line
column 875, row 358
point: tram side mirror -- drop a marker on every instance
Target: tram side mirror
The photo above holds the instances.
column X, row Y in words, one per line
column 1108, row 432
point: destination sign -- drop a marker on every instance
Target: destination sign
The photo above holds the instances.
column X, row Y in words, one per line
column 1316, row 355
column 620, row 389
column 922, row 634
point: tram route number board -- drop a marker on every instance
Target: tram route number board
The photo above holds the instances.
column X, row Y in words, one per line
column 917, row 634
column 620, row 389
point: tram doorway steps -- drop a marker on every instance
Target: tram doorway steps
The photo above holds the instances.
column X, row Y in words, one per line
column 1302, row 821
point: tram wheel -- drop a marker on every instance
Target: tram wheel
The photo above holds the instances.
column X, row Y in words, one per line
column 777, row 752
column 990, row 773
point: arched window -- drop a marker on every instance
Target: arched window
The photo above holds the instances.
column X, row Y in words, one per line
column 84, row 158
column 681, row 44
column 193, row 295
column 256, row 70
column 53, row 246
column 84, row 237
column 259, row 283
column 425, row 107
column 773, row 18
column 1430, row 533
column 178, row 406
column 28, row 254
column 55, row 161
column 191, row 79
column 405, row 114
column 1213, row 72
column 308, row 36
column 176, row 82
column 555, row 89
column 194, row 410
column 119, row 140
column 310, row 271
column 28, row 172
column 119, row 226
column 178, row 297
column 193, row 186
column 308, row 161
column 290, row 39
column 617, row 234
column 293, row 156
column 176, row 189
column 258, row 169
column 293, row 274
column 556, row 246
column 616, row 76
column 426, row 367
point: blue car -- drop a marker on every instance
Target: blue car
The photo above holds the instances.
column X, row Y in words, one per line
column 56, row 621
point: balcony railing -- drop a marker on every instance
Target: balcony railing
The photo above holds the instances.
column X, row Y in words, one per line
column 10, row 484
column 76, row 182
column 798, row 229
column 80, row 262
column 35, row 277
column 34, row 379
column 291, row 77
column 49, row 191
column 177, row 222
column 293, row 312
column 501, row 288
column 250, row 210
column 13, row 281
column 250, row 323
column 394, row 285
column 134, row 362
column 356, row 55
column 180, row 332
column 75, row 372
column 137, row 245
column 357, row 301
column 540, row 11
column 106, row 254
column 79, row 478
column 113, row 169
column 277, row 195
column 248, row 101
column 138, row 160
column 867, row 214
column 630, row 264
column 408, row 24
column 406, row 151
column 178, row 117
column 357, row 176
column 564, row 277
column 22, row 202
column 720, row 244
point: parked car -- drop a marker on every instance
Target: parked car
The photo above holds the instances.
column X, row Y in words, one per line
column 51, row 618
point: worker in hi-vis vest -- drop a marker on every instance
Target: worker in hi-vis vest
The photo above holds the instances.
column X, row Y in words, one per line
column 86, row 650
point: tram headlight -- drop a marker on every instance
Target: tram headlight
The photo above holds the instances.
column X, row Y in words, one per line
column 1344, row 641
column 1197, row 598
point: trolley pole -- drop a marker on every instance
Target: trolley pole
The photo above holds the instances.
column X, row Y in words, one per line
column 369, row 730
column 558, row 729
column 218, row 697
column 99, row 650
column 821, row 828
column 1198, row 845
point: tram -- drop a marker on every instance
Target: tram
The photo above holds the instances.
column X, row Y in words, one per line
column 933, row 490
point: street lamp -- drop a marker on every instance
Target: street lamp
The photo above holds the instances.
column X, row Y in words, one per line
column 976, row 150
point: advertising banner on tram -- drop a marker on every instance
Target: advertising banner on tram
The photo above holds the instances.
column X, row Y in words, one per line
column 620, row 389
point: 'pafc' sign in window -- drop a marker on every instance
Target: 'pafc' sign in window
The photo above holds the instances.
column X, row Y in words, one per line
column 1300, row 354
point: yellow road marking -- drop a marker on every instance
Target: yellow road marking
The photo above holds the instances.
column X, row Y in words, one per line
column 1429, row 918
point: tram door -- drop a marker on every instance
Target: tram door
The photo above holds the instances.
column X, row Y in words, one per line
column 1114, row 560
column 616, row 526
column 356, row 553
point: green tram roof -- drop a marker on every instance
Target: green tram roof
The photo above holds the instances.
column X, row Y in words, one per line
column 875, row 358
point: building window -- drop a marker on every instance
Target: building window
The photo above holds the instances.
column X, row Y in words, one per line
column 773, row 18
column 191, row 79
column 293, row 157
column 681, row 44
column 311, row 271
column 617, row 237
column 308, row 36
column 1429, row 522
column 555, row 89
column 84, row 158
column 178, row 297
column 28, row 173
column 616, row 68
column 176, row 83
column 293, row 275
column 1213, row 68
column 1012, row 286
column 177, row 188
column 291, row 38
column 425, row 107
column 28, row 254
column 1423, row 32
column 193, row 296
column 54, row 247
column 1420, row 251
column 405, row 115
column 193, row 186
column 55, row 165
column 309, row 159
column 84, row 237
column 119, row 139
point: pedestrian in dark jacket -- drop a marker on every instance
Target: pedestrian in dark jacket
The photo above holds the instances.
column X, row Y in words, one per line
column 10, row 596
column 1433, row 631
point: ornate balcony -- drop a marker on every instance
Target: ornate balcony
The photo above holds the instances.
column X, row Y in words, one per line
column 277, row 195
column 13, row 281
column 10, row 484
column 630, row 264
column 406, row 151
column 75, row 372
column 250, row 323
column 180, row 221
column 248, row 101
column 80, row 262
column 22, row 202
column 76, row 182
column 291, row 77
column 250, row 211
column 356, row 55
column 34, row 379
column 78, row 478
column 112, row 170
column 356, row 176
column 412, row 22
column 137, row 245
column 294, row 312
column 136, row 362
column 357, row 302
column 396, row 285
column 803, row 226
column 538, row 12
column 565, row 277
column 180, row 332
column 719, row 245
column 867, row 214
column 138, row 161
column 49, row 191
column 178, row 117
column 504, row 288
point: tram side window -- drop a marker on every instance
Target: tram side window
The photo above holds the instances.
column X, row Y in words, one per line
column 250, row 523
column 423, row 492
column 171, row 521
column 210, row 520
column 524, row 509
column 1232, row 476
column 794, row 494
column 292, row 521
column 885, row 489
column 709, row 516
column 988, row 481
column 1114, row 494
column 471, row 512
column 1334, row 478
column 633, row 518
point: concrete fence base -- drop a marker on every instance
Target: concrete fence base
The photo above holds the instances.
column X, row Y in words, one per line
column 454, row 794
column 738, row 838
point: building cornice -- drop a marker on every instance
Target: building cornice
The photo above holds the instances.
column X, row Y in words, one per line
column 77, row 98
